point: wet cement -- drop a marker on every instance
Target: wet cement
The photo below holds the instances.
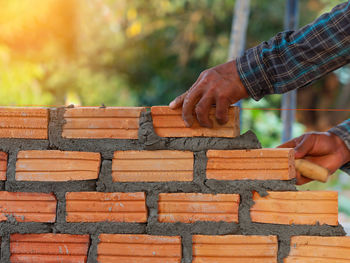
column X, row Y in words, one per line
column 148, row 140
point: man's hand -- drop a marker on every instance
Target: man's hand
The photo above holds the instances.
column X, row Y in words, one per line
column 220, row 85
column 322, row 148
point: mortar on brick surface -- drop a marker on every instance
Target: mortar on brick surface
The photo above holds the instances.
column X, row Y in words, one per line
column 148, row 140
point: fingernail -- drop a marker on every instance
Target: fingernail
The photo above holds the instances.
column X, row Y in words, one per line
column 172, row 104
column 188, row 123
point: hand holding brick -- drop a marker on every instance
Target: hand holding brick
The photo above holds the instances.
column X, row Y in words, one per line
column 169, row 123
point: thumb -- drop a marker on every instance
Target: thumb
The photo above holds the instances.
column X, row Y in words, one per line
column 304, row 146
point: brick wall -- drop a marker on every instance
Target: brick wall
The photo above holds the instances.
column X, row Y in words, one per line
column 135, row 185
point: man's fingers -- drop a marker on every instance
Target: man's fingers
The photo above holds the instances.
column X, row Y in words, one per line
column 221, row 113
column 189, row 104
column 304, row 147
column 292, row 143
column 178, row 101
column 202, row 111
column 302, row 180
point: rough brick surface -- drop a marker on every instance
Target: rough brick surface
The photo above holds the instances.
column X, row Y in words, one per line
column 98, row 207
column 27, row 123
column 311, row 249
column 99, row 123
column 48, row 248
column 57, row 166
column 139, row 248
column 3, row 165
column 234, row 249
column 192, row 207
column 306, row 208
column 261, row 164
column 169, row 123
column 28, row 207
column 152, row 166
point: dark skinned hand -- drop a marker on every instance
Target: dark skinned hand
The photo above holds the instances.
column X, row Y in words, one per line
column 220, row 86
column 323, row 148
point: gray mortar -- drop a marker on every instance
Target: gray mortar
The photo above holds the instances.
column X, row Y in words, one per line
column 151, row 141
column 148, row 140
column 106, row 147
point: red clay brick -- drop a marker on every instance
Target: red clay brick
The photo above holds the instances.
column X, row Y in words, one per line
column 3, row 166
column 97, row 207
column 57, row 166
column 48, row 248
column 28, row 207
column 261, row 164
column 192, row 207
column 306, row 208
column 26, row 123
column 152, row 166
column 169, row 123
column 234, row 249
column 138, row 248
column 311, row 249
column 100, row 123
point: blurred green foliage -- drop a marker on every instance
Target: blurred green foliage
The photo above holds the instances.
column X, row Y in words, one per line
column 129, row 52
column 121, row 52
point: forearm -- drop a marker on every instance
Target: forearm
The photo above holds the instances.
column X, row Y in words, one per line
column 294, row 59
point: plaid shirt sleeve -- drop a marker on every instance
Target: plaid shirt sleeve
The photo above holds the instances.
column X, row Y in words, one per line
column 294, row 59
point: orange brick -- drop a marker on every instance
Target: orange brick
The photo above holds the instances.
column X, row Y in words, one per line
column 57, row 166
column 169, row 123
column 28, row 207
column 97, row 207
column 27, row 123
column 306, row 208
column 261, row 164
column 138, row 248
column 310, row 249
column 234, row 249
column 48, row 248
column 100, row 123
column 152, row 166
column 192, row 207
column 3, row 166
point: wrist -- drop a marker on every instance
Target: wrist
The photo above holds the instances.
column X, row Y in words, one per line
column 238, row 83
column 341, row 148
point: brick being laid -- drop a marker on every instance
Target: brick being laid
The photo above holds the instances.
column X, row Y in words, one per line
column 138, row 248
column 152, row 166
column 3, row 166
column 302, row 208
column 24, row 123
column 192, row 207
column 57, row 166
column 169, row 123
column 317, row 249
column 102, row 123
column 48, row 248
column 234, row 249
column 28, row 207
column 99, row 207
column 259, row 164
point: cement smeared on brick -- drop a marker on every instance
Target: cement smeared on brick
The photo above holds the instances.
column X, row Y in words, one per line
column 148, row 140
